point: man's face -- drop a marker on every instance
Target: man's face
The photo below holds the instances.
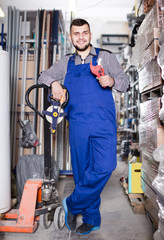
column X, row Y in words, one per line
column 80, row 37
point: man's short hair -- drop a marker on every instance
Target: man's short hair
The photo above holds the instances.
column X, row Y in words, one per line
column 79, row 22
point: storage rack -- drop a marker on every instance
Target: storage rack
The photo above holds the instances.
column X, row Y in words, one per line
column 129, row 115
column 31, row 51
column 114, row 39
column 144, row 58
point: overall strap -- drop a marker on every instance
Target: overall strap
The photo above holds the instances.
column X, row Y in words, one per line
column 71, row 61
column 94, row 59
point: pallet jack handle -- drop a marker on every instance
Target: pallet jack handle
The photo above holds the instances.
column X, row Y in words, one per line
column 47, row 145
column 37, row 86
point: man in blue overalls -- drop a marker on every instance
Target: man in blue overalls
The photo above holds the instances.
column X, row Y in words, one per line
column 92, row 122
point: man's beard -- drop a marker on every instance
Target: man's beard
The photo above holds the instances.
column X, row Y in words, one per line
column 82, row 49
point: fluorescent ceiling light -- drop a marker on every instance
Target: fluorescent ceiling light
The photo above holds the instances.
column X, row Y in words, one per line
column 1, row 13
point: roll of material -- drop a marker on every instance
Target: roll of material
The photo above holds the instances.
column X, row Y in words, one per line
column 5, row 182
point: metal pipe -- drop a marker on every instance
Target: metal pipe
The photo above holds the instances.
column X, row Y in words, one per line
column 41, row 102
column 36, row 52
column 24, row 72
column 19, row 25
column 2, row 32
column 12, row 79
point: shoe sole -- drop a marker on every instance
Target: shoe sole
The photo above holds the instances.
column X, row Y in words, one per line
column 92, row 229
column 66, row 214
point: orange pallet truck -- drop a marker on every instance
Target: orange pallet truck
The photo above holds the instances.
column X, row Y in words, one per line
column 39, row 203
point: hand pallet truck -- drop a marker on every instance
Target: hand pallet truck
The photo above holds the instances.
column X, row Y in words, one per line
column 39, row 202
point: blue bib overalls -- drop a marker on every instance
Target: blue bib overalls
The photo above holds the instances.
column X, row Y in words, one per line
column 93, row 138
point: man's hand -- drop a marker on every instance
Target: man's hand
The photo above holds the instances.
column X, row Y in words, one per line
column 106, row 81
column 57, row 91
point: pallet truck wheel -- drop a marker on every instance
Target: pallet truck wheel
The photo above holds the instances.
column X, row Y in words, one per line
column 45, row 222
column 59, row 218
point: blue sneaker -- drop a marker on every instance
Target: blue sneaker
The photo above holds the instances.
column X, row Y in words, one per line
column 86, row 228
column 70, row 219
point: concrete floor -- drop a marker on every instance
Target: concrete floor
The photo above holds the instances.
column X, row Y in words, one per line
column 118, row 220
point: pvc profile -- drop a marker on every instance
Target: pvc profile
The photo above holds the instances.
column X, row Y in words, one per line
column 42, row 93
column 19, row 23
column 36, row 68
column 24, row 73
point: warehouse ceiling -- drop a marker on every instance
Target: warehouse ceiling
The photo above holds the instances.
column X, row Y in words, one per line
column 106, row 10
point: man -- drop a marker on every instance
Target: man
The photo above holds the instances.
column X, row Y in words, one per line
column 92, row 123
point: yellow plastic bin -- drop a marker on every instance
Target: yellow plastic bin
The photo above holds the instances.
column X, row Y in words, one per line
column 134, row 178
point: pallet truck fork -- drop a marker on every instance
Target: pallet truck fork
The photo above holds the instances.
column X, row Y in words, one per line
column 39, row 202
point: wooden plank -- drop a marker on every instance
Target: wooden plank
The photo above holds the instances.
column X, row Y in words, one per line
column 139, row 209
column 47, row 40
column 138, row 204
column 39, row 90
column 136, row 195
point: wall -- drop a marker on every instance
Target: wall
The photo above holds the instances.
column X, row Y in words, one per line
column 106, row 17
column 98, row 28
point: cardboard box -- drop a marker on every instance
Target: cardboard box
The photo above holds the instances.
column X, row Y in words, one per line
column 149, row 76
column 148, row 4
column 148, row 135
column 146, row 47
column 151, row 132
column 148, row 189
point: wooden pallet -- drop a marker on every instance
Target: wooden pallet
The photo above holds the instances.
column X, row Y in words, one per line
column 136, row 200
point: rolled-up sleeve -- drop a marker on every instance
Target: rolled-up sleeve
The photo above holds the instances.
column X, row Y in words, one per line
column 120, row 78
column 55, row 73
column 113, row 68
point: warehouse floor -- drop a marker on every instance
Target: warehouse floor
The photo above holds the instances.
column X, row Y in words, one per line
column 118, row 220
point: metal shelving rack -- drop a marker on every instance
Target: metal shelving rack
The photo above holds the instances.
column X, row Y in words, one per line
column 160, row 12
column 24, row 72
column 114, row 39
column 129, row 112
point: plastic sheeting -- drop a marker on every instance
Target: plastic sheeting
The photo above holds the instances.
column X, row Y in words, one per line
column 148, row 140
column 158, row 184
column 148, row 135
column 29, row 138
column 144, row 50
column 149, row 172
column 32, row 166
column 149, row 110
column 159, row 234
column 149, row 76
column 161, row 112
column 160, row 58
column 149, row 124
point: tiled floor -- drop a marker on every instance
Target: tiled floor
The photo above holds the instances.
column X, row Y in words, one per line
column 118, row 220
